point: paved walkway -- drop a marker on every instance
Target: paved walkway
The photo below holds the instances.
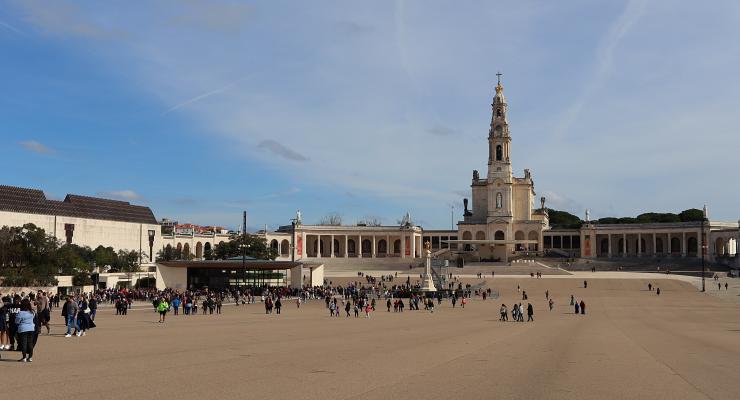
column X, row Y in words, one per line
column 631, row 344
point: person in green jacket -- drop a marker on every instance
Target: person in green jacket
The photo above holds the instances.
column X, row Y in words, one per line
column 162, row 307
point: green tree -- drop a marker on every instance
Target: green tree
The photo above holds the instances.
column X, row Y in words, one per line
column 28, row 256
column 691, row 215
column 563, row 219
column 104, row 257
column 256, row 247
column 70, row 260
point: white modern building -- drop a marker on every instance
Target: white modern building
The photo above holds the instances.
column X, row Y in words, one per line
column 83, row 220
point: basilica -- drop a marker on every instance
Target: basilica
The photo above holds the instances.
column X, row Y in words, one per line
column 502, row 218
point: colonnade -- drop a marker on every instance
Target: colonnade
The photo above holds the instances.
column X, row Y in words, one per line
column 361, row 246
column 652, row 244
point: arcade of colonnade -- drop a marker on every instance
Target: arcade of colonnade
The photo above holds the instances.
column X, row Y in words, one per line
column 350, row 242
column 654, row 241
column 196, row 244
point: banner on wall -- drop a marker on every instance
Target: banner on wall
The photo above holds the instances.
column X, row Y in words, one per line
column 587, row 246
column 299, row 249
column 408, row 246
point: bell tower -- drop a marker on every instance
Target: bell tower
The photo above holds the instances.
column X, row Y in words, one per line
column 500, row 177
column 499, row 139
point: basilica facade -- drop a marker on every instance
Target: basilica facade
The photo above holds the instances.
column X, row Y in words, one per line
column 503, row 219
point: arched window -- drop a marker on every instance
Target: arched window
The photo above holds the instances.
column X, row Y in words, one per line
column 367, row 246
column 658, row 245
column 499, row 200
column 480, row 235
column 499, row 153
column 467, row 236
column 499, row 235
column 284, row 247
column 719, row 247
column 604, row 246
column 498, row 112
column 351, row 248
column 382, row 247
column 692, row 245
column 675, row 245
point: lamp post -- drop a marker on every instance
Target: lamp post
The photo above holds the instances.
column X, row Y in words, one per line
column 703, row 248
column 244, row 247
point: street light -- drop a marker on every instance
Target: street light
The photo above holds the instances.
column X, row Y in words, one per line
column 244, row 247
column 703, row 248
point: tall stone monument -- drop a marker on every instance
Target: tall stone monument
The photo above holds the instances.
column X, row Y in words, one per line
column 427, row 284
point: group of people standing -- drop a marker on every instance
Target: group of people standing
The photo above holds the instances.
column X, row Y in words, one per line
column 21, row 318
column 79, row 314
column 517, row 313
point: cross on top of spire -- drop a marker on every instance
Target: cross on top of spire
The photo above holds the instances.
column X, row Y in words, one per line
column 498, row 74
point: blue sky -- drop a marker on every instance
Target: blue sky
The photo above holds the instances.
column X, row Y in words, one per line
column 202, row 109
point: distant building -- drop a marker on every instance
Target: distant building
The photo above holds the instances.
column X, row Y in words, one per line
column 83, row 220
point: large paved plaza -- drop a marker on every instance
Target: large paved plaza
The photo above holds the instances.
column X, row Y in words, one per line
column 631, row 344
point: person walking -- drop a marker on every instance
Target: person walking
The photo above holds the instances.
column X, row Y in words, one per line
column 657, row 291
column 4, row 343
column 176, row 305
column 650, row 287
column 583, row 307
column 93, row 305
column 162, row 308
column 504, row 313
column 14, row 309
column 278, row 305
column 530, row 312
column 25, row 327
column 578, row 308
column 84, row 323
column 551, row 304
column 69, row 312
column 43, row 312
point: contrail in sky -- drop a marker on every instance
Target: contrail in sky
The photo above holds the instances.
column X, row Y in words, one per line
column 12, row 28
column 204, row 95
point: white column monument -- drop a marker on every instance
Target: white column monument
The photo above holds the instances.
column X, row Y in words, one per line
column 427, row 284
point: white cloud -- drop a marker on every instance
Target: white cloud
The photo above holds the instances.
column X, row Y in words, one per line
column 127, row 195
column 36, row 147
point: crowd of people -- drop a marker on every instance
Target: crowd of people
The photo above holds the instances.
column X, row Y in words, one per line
column 23, row 316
